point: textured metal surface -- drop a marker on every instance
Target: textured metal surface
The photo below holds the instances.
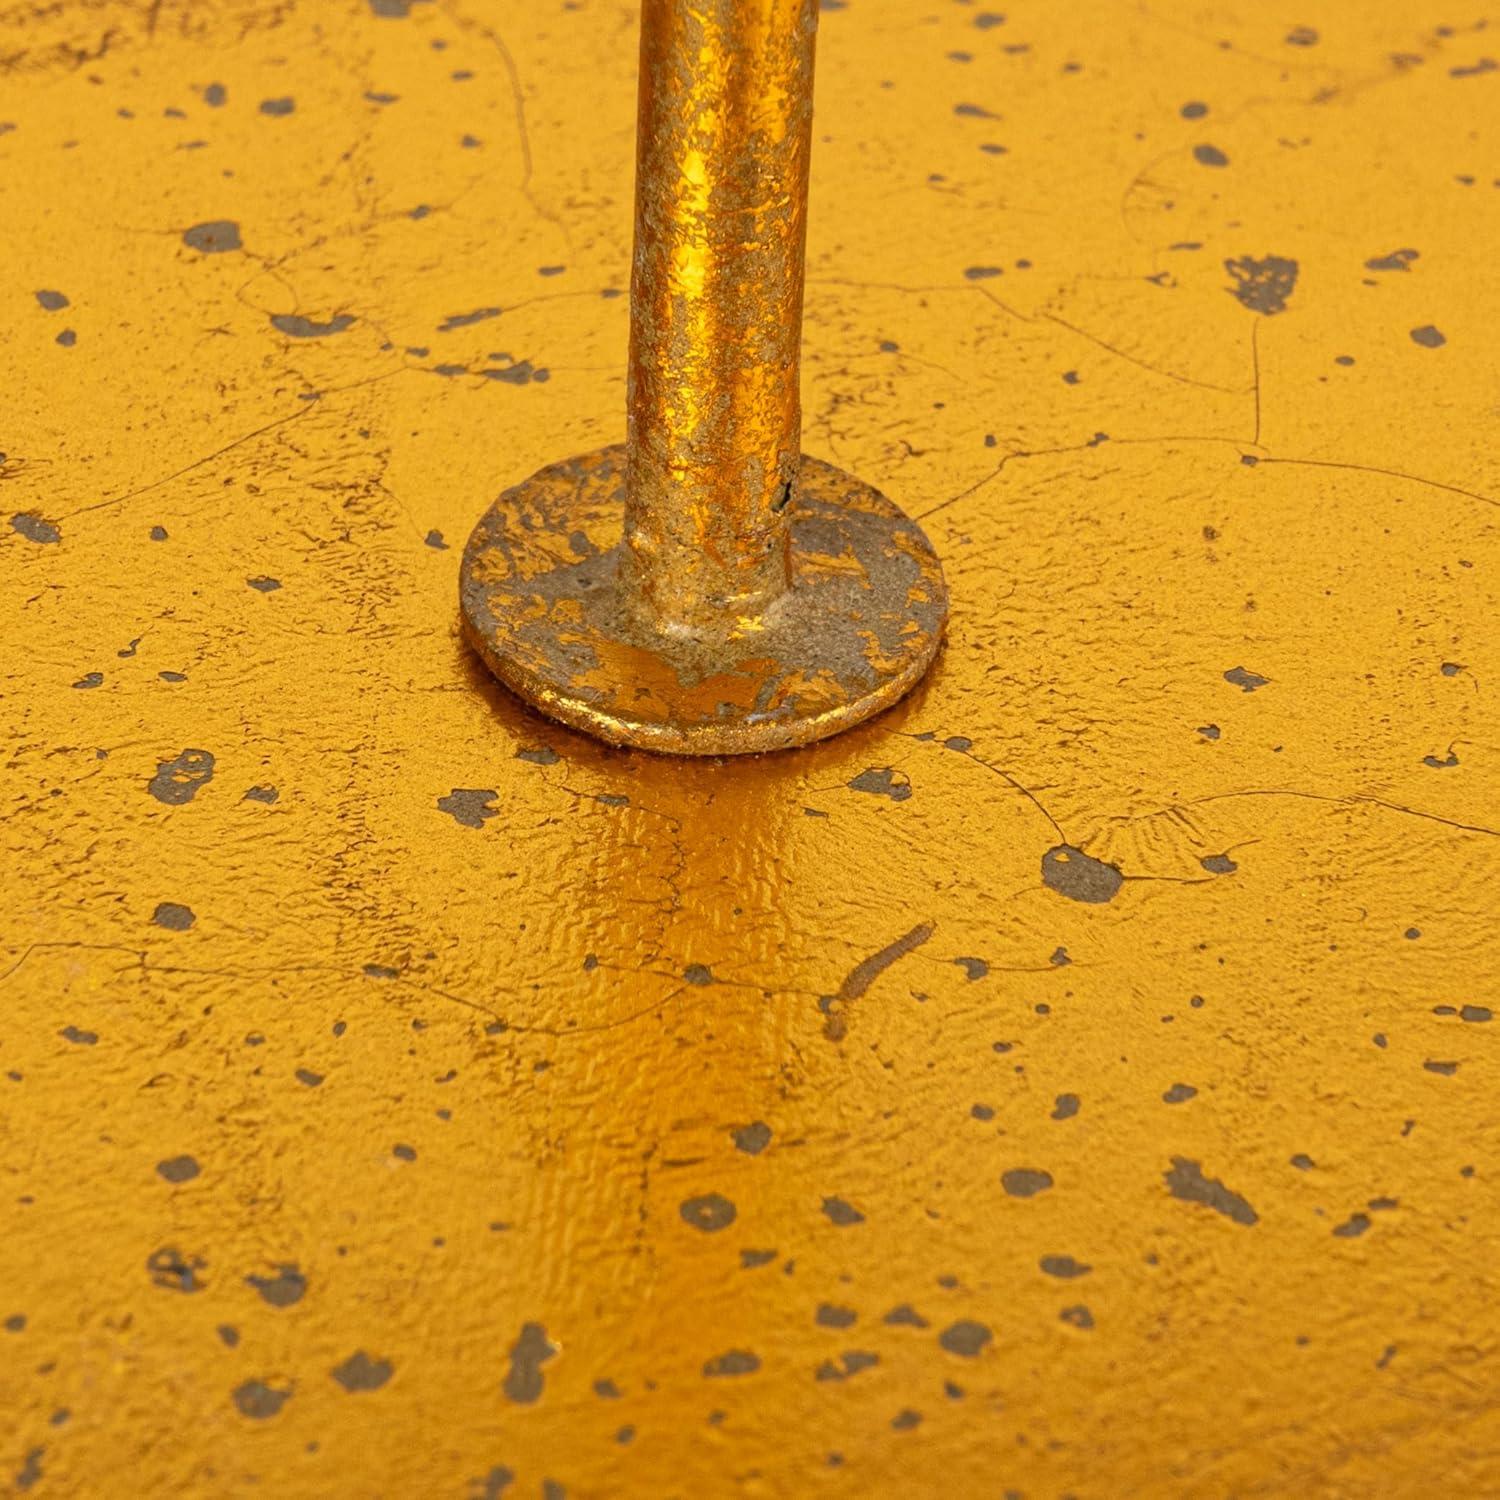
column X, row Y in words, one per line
column 549, row 603
column 726, row 99
column 400, row 1096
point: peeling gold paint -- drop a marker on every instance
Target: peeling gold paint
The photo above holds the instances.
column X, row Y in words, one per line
column 399, row 1093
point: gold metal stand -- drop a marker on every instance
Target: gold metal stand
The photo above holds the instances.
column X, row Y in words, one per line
column 706, row 588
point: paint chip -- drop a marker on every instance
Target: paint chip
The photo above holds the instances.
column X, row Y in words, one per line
column 257, row 1400
column 709, row 1212
column 965, row 1338
column 361, row 1373
column 841, row 1213
column 1185, row 1180
column 1079, row 876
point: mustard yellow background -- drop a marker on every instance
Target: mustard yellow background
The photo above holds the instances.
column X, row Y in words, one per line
column 1080, row 1082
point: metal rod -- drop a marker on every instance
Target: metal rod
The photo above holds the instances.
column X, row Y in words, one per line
column 723, row 142
column 705, row 588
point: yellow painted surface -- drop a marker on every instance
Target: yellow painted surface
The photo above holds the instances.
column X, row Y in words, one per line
column 473, row 1030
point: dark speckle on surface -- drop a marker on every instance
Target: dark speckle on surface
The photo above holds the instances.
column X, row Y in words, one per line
column 1352, row 1227
column 361, row 1373
column 1025, row 1182
column 1245, row 680
column 1262, row 285
column 52, row 301
column 1179, row 1093
column 1397, row 260
column 30, row 1470
column 78, row 1036
column 904, row 1315
column 266, row 794
column 34, row 528
column 1193, row 110
column 178, row 781
column 850, row 1362
column 173, row 1271
column 435, row 540
column 531, row 1350
column 470, row 806
column 523, row 372
column 841, row 1213
column 493, row 1485
column 282, row 1289
column 1428, row 337
column 1079, row 1316
column 1186, row 1180
column 282, row 106
column 1079, row 876
column 295, row 326
column 1210, row 156
column 709, row 1212
column 468, row 319
column 698, row 974
column 258, row 1400
column 215, row 95
column 404, row 1152
column 753, row 1139
column 966, row 1338
column 733, row 1362
column 538, row 755
column 67, row 338
column 178, row 1169
column 264, row 585
column 1064, row 1267
column 173, row 916
column 213, row 236
column 859, row 979
column 93, row 680
column 1218, row 864
column 1065, row 1106
column 829, row 1315
column 974, row 968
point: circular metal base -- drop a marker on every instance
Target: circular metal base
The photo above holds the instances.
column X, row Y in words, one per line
column 542, row 605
